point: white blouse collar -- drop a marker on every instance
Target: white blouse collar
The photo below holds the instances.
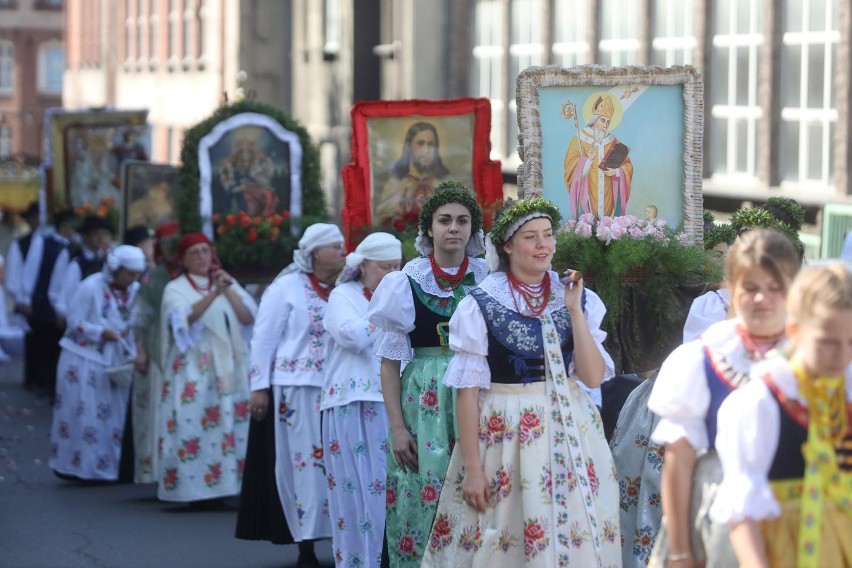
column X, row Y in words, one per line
column 722, row 337
column 783, row 377
column 420, row 270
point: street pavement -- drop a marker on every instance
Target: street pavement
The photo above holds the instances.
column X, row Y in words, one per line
column 49, row 523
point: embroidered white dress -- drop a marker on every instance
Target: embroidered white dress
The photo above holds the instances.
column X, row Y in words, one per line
column 204, row 399
column 288, row 350
column 355, row 430
column 692, row 383
column 554, row 498
column 90, row 410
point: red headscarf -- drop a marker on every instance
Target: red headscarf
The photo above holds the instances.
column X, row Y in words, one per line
column 167, row 229
column 189, row 240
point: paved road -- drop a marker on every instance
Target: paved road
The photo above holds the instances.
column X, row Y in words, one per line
column 49, row 523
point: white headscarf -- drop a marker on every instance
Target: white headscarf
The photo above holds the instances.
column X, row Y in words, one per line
column 123, row 256
column 316, row 236
column 376, row 246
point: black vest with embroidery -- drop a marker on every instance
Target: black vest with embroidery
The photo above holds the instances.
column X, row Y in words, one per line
column 24, row 244
column 788, row 463
column 426, row 320
column 515, row 343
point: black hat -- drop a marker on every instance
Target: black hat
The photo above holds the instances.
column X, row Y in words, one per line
column 93, row 223
column 136, row 234
column 63, row 216
column 32, row 210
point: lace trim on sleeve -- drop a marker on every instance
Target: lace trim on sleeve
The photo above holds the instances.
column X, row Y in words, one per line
column 394, row 345
column 467, row 370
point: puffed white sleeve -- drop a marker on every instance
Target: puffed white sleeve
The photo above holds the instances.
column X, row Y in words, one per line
column 82, row 311
column 70, row 281
column 54, row 290
column 681, row 397
column 705, row 310
column 469, row 340
column 269, row 327
column 595, row 311
column 746, row 441
column 392, row 311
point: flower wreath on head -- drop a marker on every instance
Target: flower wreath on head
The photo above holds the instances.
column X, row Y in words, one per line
column 451, row 192
column 511, row 216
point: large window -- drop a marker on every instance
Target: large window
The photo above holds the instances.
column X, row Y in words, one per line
column 173, row 31
column 570, row 44
column 487, row 71
column 7, row 68
column 5, row 141
column 129, row 32
column 188, row 45
column 153, row 32
column 525, row 50
column 808, row 110
column 674, row 35
column 51, row 68
column 141, row 28
column 619, row 28
column 734, row 109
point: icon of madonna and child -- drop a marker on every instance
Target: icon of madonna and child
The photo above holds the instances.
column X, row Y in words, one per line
column 251, row 172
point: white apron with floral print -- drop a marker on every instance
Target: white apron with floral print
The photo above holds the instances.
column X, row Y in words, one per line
column 554, row 498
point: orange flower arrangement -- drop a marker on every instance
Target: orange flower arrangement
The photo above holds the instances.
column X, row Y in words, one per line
column 245, row 242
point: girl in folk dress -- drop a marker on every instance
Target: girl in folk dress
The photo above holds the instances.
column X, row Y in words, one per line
column 692, row 383
column 90, row 410
column 355, row 426
column 204, row 407
column 531, row 482
column 785, row 440
column 288, row 351
column 409, row 307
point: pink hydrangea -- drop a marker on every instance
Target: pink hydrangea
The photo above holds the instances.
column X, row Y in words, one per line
column 583, row 229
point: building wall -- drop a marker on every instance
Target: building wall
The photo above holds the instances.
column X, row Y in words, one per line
column 28, row 28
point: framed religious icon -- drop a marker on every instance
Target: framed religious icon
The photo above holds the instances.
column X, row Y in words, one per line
column 148, row 191
column 402, row 149
column 614, row 141
column 249, row 163
column 86, row 152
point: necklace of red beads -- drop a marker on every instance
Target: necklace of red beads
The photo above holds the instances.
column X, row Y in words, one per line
column 197, row 287
column 445, row 280
column 323, row 290
column 758, row 345
column 535, row 296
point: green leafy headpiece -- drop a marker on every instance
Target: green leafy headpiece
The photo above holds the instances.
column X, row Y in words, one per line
column 451, row 192
column 513, row 214
column 716, row 234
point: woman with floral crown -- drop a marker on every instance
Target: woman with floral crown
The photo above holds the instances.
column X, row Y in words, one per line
column 412, row 308
column 531, row 482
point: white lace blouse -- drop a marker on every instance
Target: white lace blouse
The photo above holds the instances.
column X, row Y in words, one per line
column 392, row 306
column 706, row 310
column 469, row 333
column 749, row 423
column 681, row 396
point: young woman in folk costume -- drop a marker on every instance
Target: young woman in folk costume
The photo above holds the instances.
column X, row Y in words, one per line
column 785, row 441
column 692, row 383
column 408, row 307
column 90, row 412
column 288, row 358
column 531, row 482
column 355, row 425
column 203, row 406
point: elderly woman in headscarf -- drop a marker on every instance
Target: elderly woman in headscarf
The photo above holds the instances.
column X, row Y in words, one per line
column 354, row 423
column 90, row 410
column 204, row 406
column 288, row 350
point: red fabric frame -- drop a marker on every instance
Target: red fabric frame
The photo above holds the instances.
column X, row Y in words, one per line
column 487, row 175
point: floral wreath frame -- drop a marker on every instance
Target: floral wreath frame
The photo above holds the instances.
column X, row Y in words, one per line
column 357, row 183
column 532, row 79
